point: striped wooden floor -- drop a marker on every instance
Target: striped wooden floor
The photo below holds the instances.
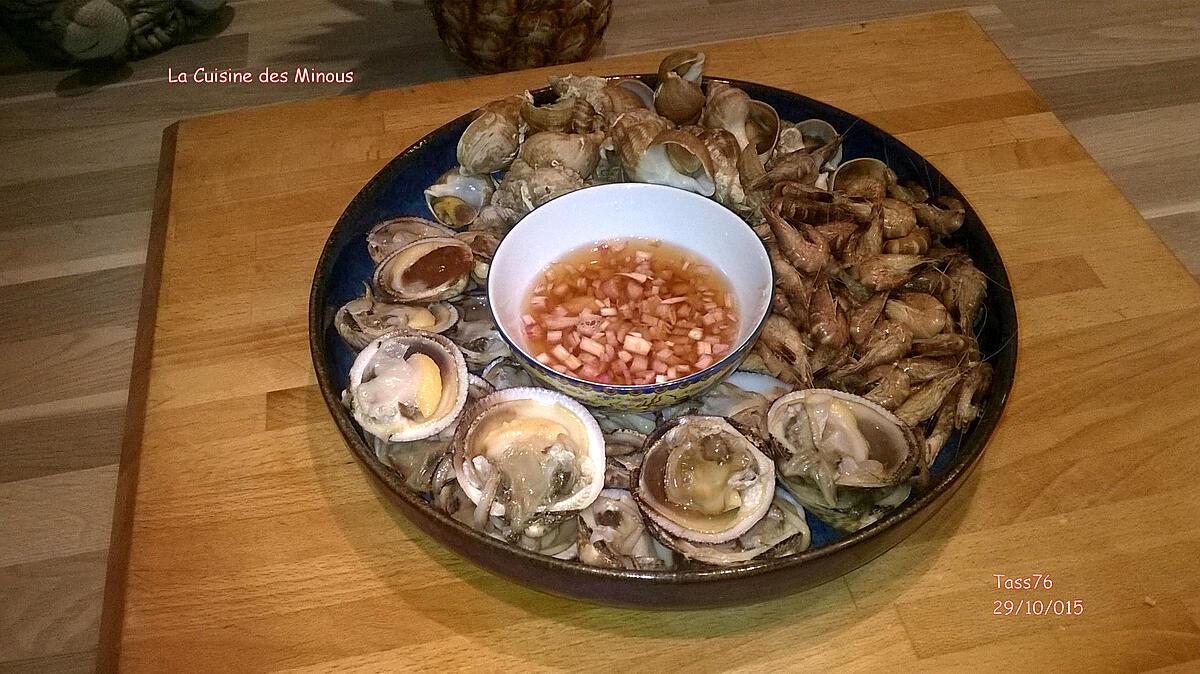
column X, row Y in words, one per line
column 80, row 158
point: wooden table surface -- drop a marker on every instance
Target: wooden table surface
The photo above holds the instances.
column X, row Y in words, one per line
column 247, row 538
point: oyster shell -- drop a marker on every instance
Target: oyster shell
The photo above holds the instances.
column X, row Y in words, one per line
column 407, row 385
column 366, row 318
column 703, row 481
column 527, row 451
column 613, row 535
column 456, row 198
column 391, row 235
column 832, row 439
column 425, row 270
column 855, row 508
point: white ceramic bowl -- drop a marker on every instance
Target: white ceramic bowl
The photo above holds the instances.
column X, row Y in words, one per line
column 631, row 210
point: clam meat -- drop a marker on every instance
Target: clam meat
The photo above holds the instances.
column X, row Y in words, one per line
column 528, row 451
column 407, row 385
column 366, row 318
column 832, row 439
column 456, row 199
column 703, row 481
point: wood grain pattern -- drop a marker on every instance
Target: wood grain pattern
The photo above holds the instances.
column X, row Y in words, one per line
column 256, row 542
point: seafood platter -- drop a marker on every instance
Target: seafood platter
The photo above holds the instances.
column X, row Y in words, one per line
column 663, row 340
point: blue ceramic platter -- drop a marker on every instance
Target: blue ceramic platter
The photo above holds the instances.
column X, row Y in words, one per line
column 397, row 190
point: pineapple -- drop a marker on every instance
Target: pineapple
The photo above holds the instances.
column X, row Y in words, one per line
column 499, row 35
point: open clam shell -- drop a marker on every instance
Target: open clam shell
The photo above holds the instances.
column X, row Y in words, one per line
column 395, row 395
column 830, row 438
column 612, row 534
column 526, row 451
column 703, row 481
column 425, row 270
column 781, row 532
column 456, row 199
column 366, row 318
column 391, row 235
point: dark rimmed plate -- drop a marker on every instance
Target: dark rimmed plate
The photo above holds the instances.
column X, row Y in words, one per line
column 397, row 190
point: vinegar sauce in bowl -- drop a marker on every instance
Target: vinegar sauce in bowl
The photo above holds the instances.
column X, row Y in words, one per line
column 629, row 312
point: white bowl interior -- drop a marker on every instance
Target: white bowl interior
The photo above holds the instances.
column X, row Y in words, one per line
column 630, row 210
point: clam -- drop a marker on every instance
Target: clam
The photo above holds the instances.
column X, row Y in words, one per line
column 864, row 177
column 504, row 373
column 483, row 246
column 526, row 452
column 574, row 151
column 425, row 270
column 490, row 141
column 782, row 531
column 703, row 481
column 685, row 63
column 456, row 198
column 678, row 159
column 854, row 509
column 476, row 333
column 613, row 535
column 830, row 439
column 620, row 469
column 679, row 100
column 386, row 237
column 407, row 385
column 366, row 318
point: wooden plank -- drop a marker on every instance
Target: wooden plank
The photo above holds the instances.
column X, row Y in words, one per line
column 55, row 516
column 50, row 608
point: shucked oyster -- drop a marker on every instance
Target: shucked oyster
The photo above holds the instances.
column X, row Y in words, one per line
column 407, row 385
column 528, row 451
column 366, row 318
column 702, row 481
column 832, row 439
